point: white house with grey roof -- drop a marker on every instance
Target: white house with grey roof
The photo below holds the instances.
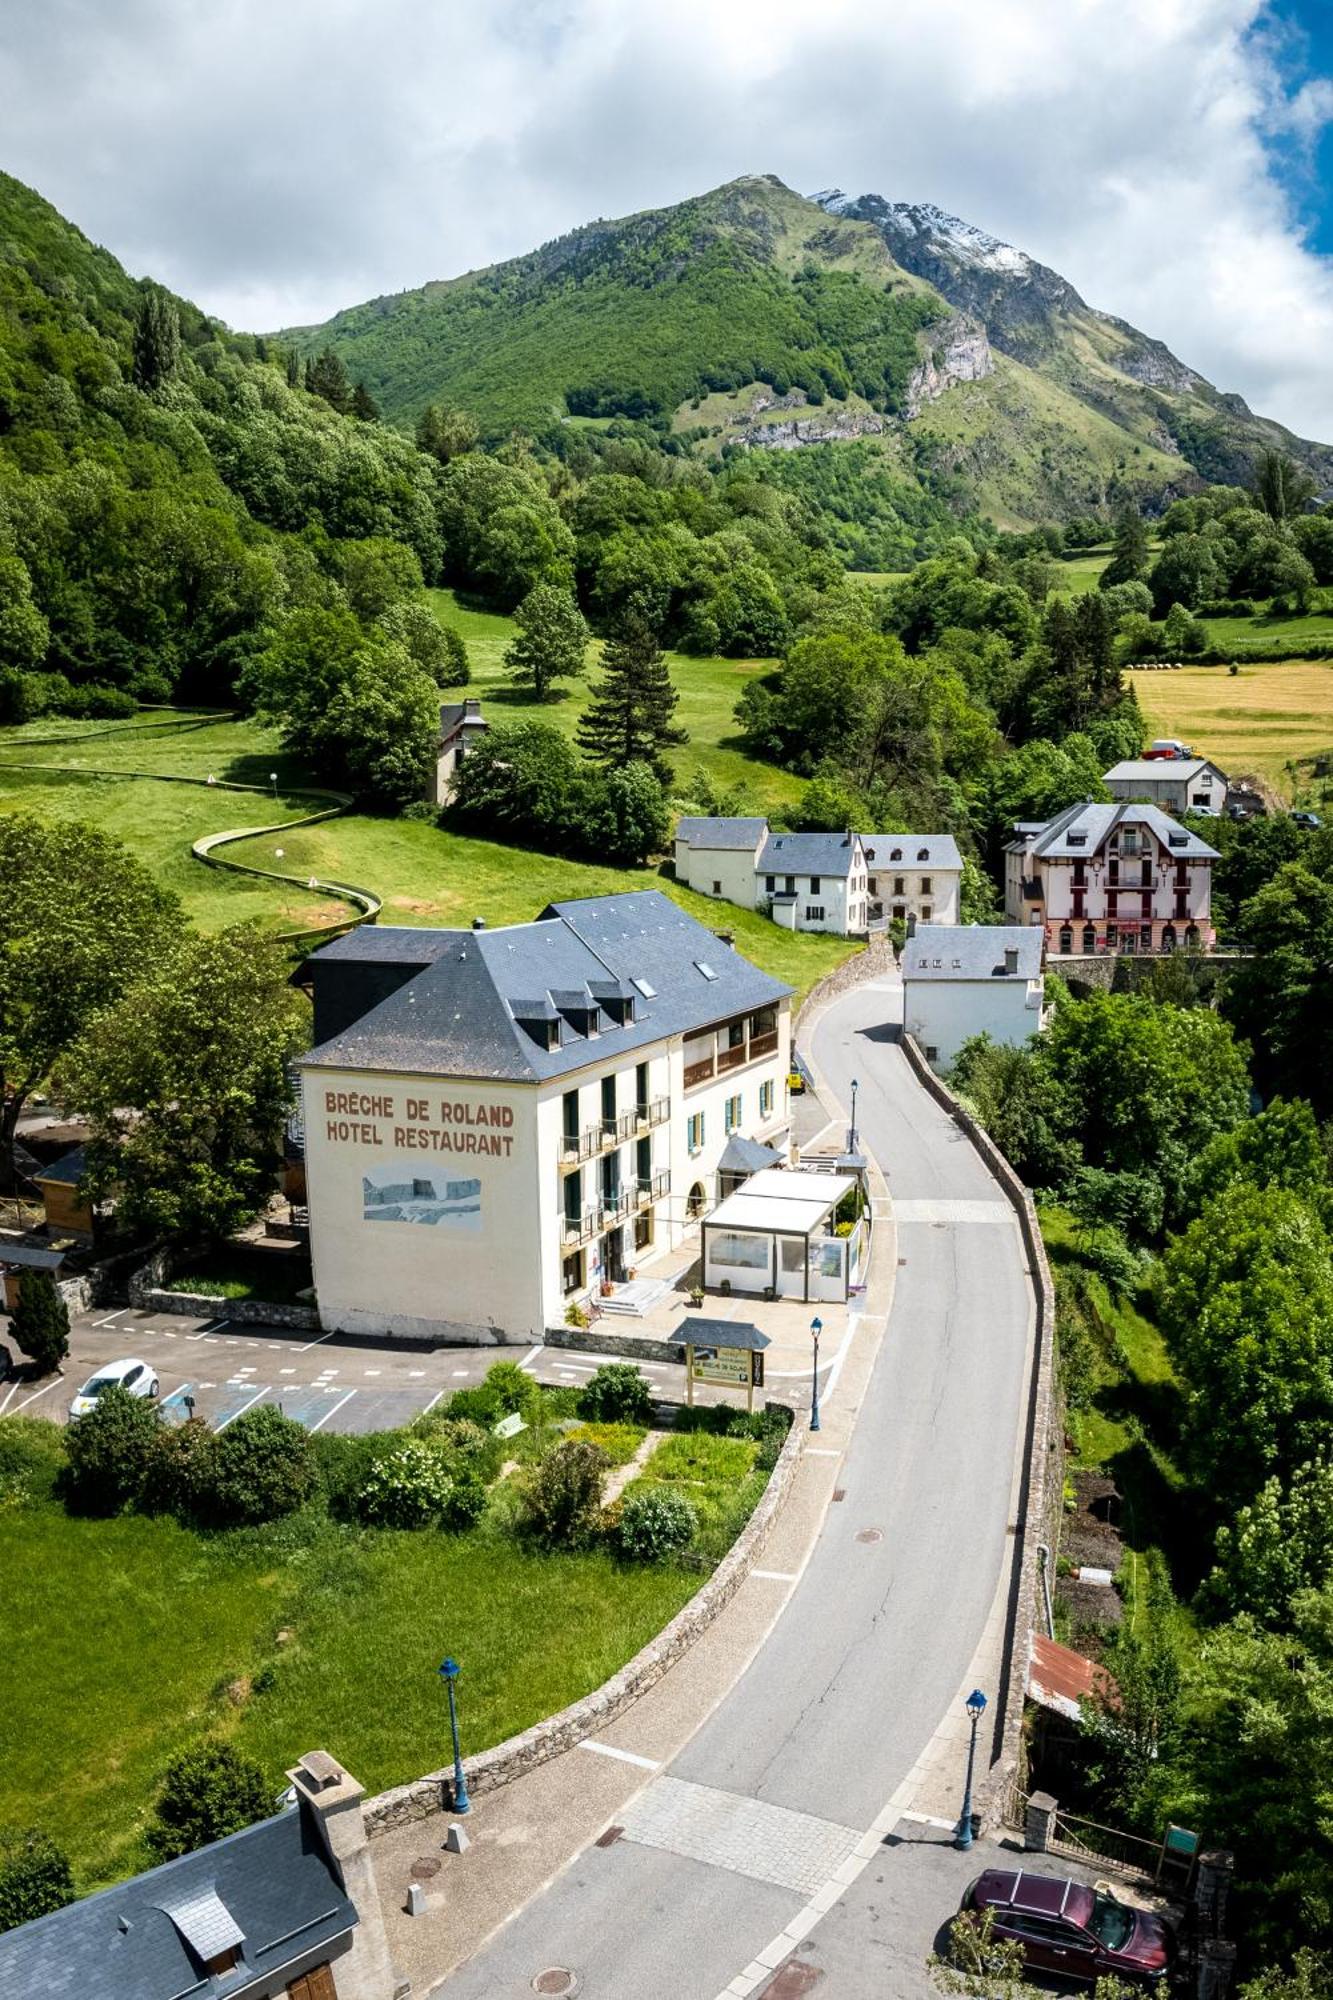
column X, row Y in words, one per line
column 1111, row 878
column 497, row 1121
column 846, row 883
column 1176, row 784
column 961, row 980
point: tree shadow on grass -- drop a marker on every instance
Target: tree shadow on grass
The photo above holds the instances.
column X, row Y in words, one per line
column 1156, row 1408
column 1159, row 1514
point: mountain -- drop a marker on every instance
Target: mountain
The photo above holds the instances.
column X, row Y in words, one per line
column 754, row 317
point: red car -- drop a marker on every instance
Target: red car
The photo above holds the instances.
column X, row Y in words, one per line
column 1068, row 1928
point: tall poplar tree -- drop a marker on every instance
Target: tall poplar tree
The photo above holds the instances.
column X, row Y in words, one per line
column 157, row 338
column 629, row 717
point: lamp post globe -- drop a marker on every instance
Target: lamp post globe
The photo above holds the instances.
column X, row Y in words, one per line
column 816, row 1328
column 975, row 1706
column 449, row 1671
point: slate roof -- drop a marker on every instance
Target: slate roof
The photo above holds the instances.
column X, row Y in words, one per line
column 806, row 854
column 698, row 1332
column 455, row 714
column 972, row 951
column 940, row 850
column 273, row 1883
column 748, row 1156
column 1152, row 770
column 462, row 1014
column 699, row 831
column 68, row 1170
column 1097, row 822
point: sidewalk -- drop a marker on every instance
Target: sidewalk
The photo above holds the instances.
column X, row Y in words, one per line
column 527, row 1832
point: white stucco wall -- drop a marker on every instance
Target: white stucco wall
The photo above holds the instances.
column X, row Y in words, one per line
column 731, row 867
column 943, row 1014
column 440, row 1278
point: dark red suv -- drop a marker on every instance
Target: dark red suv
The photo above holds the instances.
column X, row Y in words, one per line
column 1066, row 1927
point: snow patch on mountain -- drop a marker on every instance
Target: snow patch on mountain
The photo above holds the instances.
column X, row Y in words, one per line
column 967, row 243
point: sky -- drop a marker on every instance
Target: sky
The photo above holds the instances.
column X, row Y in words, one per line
column 276, row 160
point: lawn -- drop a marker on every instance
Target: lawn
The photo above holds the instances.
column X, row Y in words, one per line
column 1259, row 719
column 709, row 690
column 1076, row 575
column 130, row 1637
column 424, row 875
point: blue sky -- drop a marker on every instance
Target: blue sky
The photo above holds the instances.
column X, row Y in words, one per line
column 1305, row 43
column 1171, row 158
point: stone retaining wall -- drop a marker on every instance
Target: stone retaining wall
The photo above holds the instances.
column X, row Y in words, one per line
column 558, row 1733
column 877, row 958
column 604, row 1339
column 1042, row 1485
column 145, row 1290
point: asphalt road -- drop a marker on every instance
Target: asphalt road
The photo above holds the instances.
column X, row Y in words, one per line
column 329, row 1383
column 848, row 1688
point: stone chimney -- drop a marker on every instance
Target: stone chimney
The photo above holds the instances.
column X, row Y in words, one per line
column 331, row 1800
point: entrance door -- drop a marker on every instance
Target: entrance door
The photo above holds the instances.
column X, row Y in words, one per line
column 791, row 1267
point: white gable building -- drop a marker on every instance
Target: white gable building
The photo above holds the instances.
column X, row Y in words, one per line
column 961, row 980
column 846, row 883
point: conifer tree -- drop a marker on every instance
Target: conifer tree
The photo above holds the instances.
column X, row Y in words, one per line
column 293, row 369
column 551, row 642
column 157, row 338
column 325, row 376
column 41, row 1321
column 364, row 405
column 1129, row 552
column 446, row 433
column 629, row 717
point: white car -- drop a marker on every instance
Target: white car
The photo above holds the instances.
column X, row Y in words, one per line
column 135, row 1377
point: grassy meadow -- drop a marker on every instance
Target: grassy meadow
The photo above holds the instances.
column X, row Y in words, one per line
column 1260, row 719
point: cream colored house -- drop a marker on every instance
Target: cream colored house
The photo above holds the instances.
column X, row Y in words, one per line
column 461, row 723
column 961, row 980
column 1111, row 878
column 497, row 1121
column 843, row 883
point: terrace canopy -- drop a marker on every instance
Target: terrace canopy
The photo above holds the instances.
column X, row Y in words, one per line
column 776, row 1235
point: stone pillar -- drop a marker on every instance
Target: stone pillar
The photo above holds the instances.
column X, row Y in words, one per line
column 1038, row 1823
column 331, row 1799
column 1212, row 1885
column 1217, row 1969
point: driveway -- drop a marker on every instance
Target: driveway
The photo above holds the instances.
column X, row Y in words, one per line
column 778, row 1805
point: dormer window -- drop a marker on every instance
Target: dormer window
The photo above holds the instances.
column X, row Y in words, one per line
column 923, row 854
column 895, row 854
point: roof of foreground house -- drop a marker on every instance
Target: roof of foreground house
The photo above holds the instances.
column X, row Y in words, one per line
column 605, row 974
column 270, row 1892
column 1082, row 830
column 972, row 951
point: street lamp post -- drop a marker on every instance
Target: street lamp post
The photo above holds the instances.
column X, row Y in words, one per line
column 976, row 1703
column 851, row 1144
column 816, row 1328
column 449, row 1674
column 273, row 780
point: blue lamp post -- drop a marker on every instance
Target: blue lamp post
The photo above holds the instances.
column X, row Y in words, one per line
column 449, row 1674
column 851, row 1137
column 976, row 1703
column 816, row 1328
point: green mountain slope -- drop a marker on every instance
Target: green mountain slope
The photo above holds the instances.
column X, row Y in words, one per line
column 752, row 317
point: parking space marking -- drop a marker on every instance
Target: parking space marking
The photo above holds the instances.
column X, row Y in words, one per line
column 416, row 1371
column 333, row 1411
column 33, row 1398
column 110, row 1316
column 286, row 1371
column 11, row 1391
column 459, row 1371
column 529, row 1358
column 433, row 1401
column 372, row 1371
column 230, row 1419
column 315, row 1343
column 249, row 1369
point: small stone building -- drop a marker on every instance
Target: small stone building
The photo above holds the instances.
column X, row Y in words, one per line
column 461, row 723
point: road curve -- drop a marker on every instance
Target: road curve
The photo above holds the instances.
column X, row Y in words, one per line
column 838, row 1704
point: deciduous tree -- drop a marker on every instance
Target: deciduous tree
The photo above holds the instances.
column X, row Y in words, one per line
column 550, row 644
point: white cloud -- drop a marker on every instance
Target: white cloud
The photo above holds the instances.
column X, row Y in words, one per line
column 276, row 162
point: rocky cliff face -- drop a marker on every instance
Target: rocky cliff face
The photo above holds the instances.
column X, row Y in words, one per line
column 959, row 352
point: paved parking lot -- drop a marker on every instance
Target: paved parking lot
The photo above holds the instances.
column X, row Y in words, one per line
column 327, row 1382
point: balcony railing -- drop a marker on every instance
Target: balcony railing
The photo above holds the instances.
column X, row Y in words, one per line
column 615, row 1205
column 598, row 1138
column 698, row 1072
column 764, row 1045
column 655, row 1112
column 731, row 1058
column 651, row 1187
column 579, row 1145
column 616, row 1127
column 581, row 1228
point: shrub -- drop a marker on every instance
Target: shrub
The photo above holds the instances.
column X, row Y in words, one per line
column 616, row 1394
column 466, row 1503
column 182, row 1473
column 479, row 1406
column 41, row 1321
column 35, row 1876
column 207, row 1793
column 110, row 1453
column 655, row 1524
column 562, row 1495
column 618, row 1441
column 467, row 1445
column 1105, row 1252
column 409, row 1487
column 512, row 1389
column 31, row 1455
column 342, row 1462
column 263, row 1467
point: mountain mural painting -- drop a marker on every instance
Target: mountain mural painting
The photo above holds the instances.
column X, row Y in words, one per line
column 397, row 1193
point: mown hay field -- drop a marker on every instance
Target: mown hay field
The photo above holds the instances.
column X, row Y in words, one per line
column 1260, row 719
